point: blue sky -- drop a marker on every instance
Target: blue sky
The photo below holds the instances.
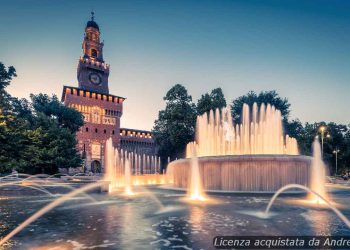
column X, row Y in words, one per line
column 299, row 48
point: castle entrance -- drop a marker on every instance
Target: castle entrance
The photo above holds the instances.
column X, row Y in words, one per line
column 96, row 167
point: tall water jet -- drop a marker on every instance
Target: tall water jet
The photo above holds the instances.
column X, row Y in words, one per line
column 318, row 173
column 127, row 178
column 195, row 191
column 111, row 156
column 261, row 132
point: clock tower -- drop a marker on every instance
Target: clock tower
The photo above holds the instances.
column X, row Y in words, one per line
column 101, row 110
column 93, row 72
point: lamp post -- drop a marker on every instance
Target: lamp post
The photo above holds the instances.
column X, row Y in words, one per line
column 336, row 151
column 322, row 130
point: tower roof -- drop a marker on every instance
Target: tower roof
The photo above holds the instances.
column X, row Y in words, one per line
column 92, row 23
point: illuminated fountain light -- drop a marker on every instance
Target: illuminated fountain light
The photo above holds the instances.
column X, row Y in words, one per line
column 196, row 191
column 127, row 179
column 123, row 168
column 261, row 132
column 318, row 174
column 111, row 165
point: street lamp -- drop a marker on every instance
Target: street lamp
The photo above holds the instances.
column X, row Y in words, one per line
column 322, row 130
column 336, row 151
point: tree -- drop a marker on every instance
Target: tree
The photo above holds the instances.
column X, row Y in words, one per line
column 37, row 136
column 9, row 127
column 336, row 137
column 51, row 107
column 12, row 142
column 271, row 97
column 53, row 135
column 214, row 100
column 6, row 75
column 204, row 104
column 175, row 126
column 336, row 140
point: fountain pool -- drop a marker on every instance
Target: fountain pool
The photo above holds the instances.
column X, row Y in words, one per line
column 115, row 221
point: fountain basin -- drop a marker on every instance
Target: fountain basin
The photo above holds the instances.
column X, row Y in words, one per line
column 243, row 173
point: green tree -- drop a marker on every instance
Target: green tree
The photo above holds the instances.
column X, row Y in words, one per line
column 214, row 100
column 336, row 137
column 12, row 142
column 336, row 140
column 51, row 107
column 271, row 97
column 10, row 127
column 6, row 75
column 53, row 136
column 175, row 126
column 36, row 136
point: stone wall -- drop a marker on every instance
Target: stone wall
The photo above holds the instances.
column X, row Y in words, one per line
column 138, row 141
column 102, row 113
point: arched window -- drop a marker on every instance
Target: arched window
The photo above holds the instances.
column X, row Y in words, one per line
column 93, row 53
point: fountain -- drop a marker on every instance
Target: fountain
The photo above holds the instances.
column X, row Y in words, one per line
column 127, row 179
column 318, row 174
column 124, row 169
column 254, row 156
column 112, row 165
column 261, row 132
column 320, row 196
column 195, row 191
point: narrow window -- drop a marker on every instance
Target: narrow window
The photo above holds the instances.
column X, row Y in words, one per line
column 87, row 129
column 93, row 53
column 96, row 130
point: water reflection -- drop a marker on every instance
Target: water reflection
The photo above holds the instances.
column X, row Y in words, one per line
column 319, row 222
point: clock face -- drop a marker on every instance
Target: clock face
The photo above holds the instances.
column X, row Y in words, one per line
column 95, row 78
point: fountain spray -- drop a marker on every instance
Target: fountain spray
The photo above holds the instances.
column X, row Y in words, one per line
column 196, row 189
column 318, row 174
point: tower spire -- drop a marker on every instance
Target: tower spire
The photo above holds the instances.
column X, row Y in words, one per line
column 92, row 71
column 92, row 15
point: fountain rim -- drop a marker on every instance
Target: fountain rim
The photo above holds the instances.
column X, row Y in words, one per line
column 248, row 157
column 228, row 192
column 237, row 158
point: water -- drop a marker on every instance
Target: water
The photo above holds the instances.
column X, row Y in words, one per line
column 314, row 193
column 118, row 222
column 195, row 191
column 318, row 173
column 260, row 132
column 127, row 179
column 47, row 208
column 124, row 168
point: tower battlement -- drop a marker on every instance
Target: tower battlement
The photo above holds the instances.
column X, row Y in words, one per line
column 93, row 63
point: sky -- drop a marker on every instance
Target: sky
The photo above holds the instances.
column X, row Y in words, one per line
column 301, row 49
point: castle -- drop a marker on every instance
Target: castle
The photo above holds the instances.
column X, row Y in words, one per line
column 102, row 111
